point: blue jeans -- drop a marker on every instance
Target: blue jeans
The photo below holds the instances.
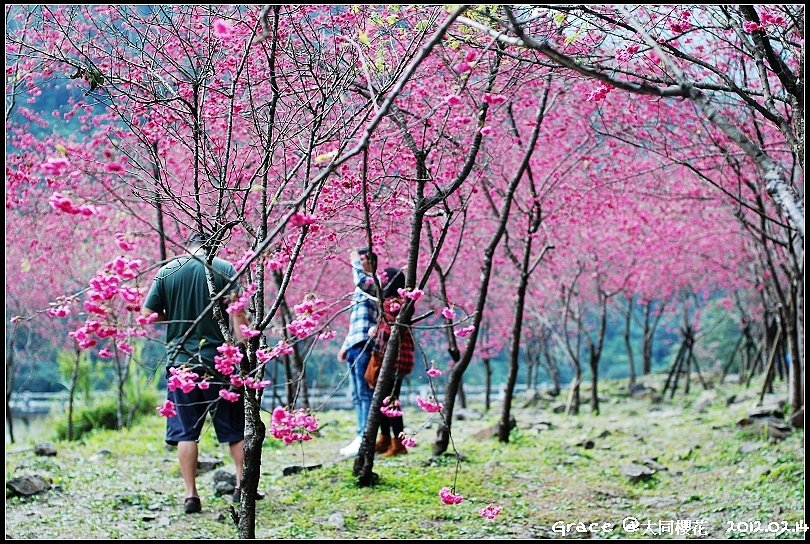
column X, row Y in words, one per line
column 358, row 357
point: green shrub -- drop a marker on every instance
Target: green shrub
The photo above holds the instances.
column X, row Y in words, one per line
column 103, row 414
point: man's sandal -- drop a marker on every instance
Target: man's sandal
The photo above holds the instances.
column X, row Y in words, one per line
column 193, row 505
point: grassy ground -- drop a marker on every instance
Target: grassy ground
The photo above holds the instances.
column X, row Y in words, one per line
column 541, row 479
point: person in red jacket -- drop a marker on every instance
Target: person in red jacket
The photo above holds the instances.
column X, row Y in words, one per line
column 392, row 422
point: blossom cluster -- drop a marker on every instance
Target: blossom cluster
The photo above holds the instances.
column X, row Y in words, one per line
column 447, row 496
column 299, row 219
column 766, row 20
column 490, row 511
column 599, row 93
column 430, row 406
column 167, row 410
column 292, row 425
column 412, row 294
column 280, row 349
column 184, row 379
column 229, row 358
column 230, row 396
column 248, row 381
column 308, row 315
column 246, row 256
column 105, row 286
column 681, row 24
column 64, row 204
column 124, row 242
column 390, row 407
column 465, row 331
column 624, row 55
column 241, row 303
column 434, row 372
column 277, row 260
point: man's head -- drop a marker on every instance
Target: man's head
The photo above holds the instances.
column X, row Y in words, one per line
column 368, row 258
column 197, row 240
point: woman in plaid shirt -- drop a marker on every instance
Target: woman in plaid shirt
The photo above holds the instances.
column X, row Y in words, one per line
column 392, row 420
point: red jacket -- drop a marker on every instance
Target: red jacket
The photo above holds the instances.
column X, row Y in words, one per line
column 405, row 359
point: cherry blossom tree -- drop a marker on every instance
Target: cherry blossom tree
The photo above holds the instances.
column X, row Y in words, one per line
column 658, row 149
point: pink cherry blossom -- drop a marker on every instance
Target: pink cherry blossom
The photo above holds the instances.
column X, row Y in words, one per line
column 299, row 219
column 167, row 410
column 466, row 331
column 772, row 19
column 247, row 332
column 447, row 496
column 490, row 511
column 292, row 425
column 494, row 99
column 230, row 396
column 751, row 27
column 599, row 93
column 122, row 241
column 429, row 406
column 147, row 319
column 222, row 29
column 59, row 311
column 55, row 166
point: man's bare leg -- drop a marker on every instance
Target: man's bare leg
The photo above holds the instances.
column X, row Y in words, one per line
column 187, row 454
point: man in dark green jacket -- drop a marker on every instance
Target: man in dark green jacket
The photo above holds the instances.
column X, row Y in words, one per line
column 180, row 296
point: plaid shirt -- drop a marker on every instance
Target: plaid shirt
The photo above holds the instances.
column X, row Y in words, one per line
column 364, row 308
column 405, row 357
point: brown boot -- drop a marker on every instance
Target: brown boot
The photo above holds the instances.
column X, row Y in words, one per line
column 396, row 448
column 383, row 443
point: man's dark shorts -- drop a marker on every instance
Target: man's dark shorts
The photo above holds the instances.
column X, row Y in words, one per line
column 192, row 407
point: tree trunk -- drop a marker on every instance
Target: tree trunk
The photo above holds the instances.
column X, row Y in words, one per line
column 595, row 351
column 158, row 205
column 572, row 407
column 631, row 378
column 487, row 384
column 646, row 351
column 254, row 437
column 554, row 373
column 122, row 378
column 10, row 380
column 364, row 462
column 74, row 376
column 517, row 328
column 503, row 426
column 454, row 380
column 795, row 369
column 593, row 361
